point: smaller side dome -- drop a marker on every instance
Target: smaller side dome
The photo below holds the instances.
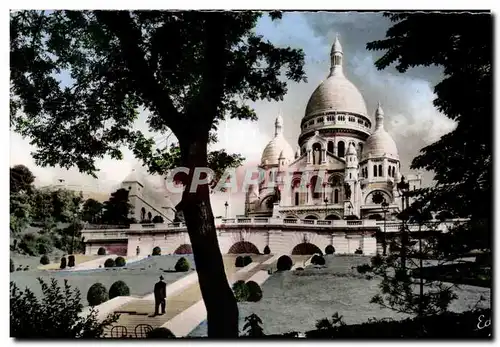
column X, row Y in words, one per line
column 380, row 143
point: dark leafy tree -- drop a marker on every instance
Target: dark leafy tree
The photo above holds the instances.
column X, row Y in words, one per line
column 157, row 219
column 21, row 179
column 253, row 326
column 330, row 324
column 21, row 212
column 117, row 208
column 462, row 159
column 182, row 265
column 57, row 315
column 92, row 211
column 119, row 288
column 97, row 294
column 119, row 62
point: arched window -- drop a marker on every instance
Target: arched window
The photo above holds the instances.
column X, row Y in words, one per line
column 374, row 170
column 143, row 214
column 330, row 146
column 360, row 145
column 315, row 187
column 393, row 171
column 316, row 153
column 336, row 196
column 341, row 149
column 149, row 216
column 350, row 174
column 380, row 170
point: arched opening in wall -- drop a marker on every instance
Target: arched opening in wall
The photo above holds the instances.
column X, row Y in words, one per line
column 150, row 216
column 316, row 184
column 360, row 149
column 291, row 217
column 243, row 247
column 267, row 203
column 341, row 149
column 184, row 249
column 380, row 170
column 143, row 214
column 332, row 217
column 374, row 170
column 311, row 217
column 296, row 191
column 306, row 248
column 376, row 216
column 316, row 149
column 330, row 146
column 336, row 196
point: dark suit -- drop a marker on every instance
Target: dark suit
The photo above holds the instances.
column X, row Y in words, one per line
column 160, row 296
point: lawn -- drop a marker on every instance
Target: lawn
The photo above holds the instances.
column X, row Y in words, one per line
column 140, row 276
column 79, row 259
column 294, row 301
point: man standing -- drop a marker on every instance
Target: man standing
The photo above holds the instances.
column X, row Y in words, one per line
column 160, row 296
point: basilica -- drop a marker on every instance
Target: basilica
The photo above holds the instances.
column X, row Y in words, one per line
column 357, row 157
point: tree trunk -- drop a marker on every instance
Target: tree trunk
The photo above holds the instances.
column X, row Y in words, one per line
column 222, row 309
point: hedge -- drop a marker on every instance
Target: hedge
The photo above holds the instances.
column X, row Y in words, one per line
column 63, row 263
column 109, row 263
column 44, row 260
column 241, row 291
column 120, row 262
column 101, row 251
column 329, row 249
column 239, row 262
column 254, row 291
column 317, row 260
column 156, row 251
column 247, row 260
column 119, row 288
column 182, row 265
column 97, row 294
column 71, row 261
column 284, row 263
column 267, row 250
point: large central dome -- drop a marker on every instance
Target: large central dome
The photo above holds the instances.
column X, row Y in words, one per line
column 337, row 93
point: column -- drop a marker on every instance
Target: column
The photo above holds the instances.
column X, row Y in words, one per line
column 309, row 159
column 323, row 156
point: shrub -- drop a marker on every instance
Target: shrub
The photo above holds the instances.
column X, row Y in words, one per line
column 254, row 291
column 119, row 288
column 156, row 251
column 71, row 261
column 239, row 262
column 44, row 245
column 329, row 249
column 247, row 260
column 160, row 333
column 299, row 269
column 364, row 268
column 317, row 260
column 358, row 251
column 12, row 266
column 97, row 294
column 267, row 250
column 44, row 260
column 101, row 251
column 44, row 317
column 241, row 291
column 120, row 262
column 109, row 263
column 19, row 268
column 284, row 263
column 26, row 268
column 182, row 265
column 63, row 263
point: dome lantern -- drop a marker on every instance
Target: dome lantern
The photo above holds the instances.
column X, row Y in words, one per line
column 278, row 146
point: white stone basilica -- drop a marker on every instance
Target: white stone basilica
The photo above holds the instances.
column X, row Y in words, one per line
column 338, row 152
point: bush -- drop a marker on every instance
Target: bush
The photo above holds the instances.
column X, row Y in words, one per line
column 97, row 294
column 239, row 262
column 317, row 260
column 247, row 260
column 267, row 250
column 119, row 288
column 156, row 251
column 26, row 268
column 160, row 333
column 109, row 263
column 44, row 260
column 284, row 263
column 43, row 317
column 63, row 263
column 12, row 266
column 329, row 249
column 44, row 245
column 358, row 251
column 241, row 291
column 182, row 265
column 71, row 261
column 120, row 262
column 254, row 291
column 299, row 269
column 101, row 251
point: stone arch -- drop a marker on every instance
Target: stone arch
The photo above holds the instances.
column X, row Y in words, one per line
column 316, row 153
column 311, row 216
column 333, row 217
column 243, row 247
column 330, row 146
column 267, row 202
column 150, row 216
column 306, row 248
column 291, row 217
column 143, row 214
column 387, row 196
column 184, row 249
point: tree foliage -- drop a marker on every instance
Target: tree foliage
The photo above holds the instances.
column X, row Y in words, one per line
column 187, row 70
column 462, row 159
column 117, row 208
column 21, row 179
column 56, row 315
column 92, row 211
